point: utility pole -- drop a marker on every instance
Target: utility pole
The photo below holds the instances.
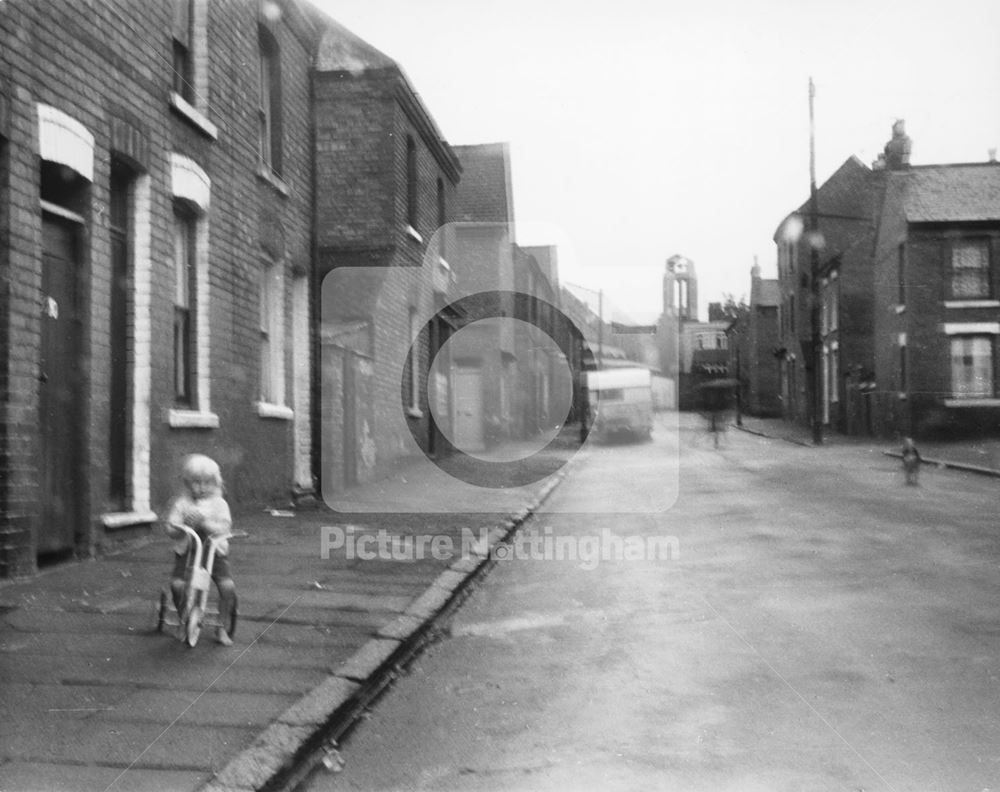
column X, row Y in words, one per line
column 600, row 327
column 814, row 312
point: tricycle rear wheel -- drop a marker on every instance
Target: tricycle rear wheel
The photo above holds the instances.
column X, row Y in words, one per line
column 161, row 612
column 232, row 617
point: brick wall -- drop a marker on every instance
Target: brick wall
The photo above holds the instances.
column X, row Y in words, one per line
column 363, row 120
column 108, row 66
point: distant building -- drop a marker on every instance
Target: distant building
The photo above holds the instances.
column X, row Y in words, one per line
column 754, row 339
column 846, row 215
column 690, row 350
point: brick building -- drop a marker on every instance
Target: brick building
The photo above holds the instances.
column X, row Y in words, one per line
column 753, row 342
column 937, row 292
column 846, row 209
column 386, row 183
column 512, row 379
column 155, row 220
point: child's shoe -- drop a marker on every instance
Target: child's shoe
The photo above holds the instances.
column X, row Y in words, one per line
column 222, row 637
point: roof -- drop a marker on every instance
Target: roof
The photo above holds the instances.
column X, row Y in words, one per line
column 950, row 193
column 849, row 194
column 341, row 50
column 765, row 292
column 484, row 194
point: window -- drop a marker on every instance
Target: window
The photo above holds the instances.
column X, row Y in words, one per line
column 834, row 303
column 411, row 183
column 972, row 367
column 824, row 308
column 269, row 103
column 442, row 218
column 903, row 385
column 191, row 188
column 119, row 210
column 412, row 361
column 184, row 306
column 901, row 274
column 970, row 270
column 184, row 50
column 791, row 313
column 834, row 374
column 272, row 376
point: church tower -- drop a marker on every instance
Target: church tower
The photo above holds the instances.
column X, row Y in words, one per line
column 680, row 289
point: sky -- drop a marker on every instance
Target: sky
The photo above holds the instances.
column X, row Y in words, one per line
column 640, row 129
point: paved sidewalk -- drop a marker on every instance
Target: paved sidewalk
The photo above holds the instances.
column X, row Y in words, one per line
column 979, row 455
column 95, row 699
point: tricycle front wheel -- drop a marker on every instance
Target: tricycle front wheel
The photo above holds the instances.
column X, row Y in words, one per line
column 192, row 626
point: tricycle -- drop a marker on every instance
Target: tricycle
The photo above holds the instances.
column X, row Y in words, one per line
column 198, row 579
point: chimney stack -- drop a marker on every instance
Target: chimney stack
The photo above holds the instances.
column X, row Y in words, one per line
column 897, row 150
column 992, row 154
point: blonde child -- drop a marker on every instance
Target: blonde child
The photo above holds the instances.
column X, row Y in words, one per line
column 201, row 506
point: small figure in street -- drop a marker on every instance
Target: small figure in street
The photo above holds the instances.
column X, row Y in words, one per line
column 911, row 461
column 202, row 507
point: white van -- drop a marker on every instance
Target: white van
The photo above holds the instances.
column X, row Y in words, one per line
column 621, row 400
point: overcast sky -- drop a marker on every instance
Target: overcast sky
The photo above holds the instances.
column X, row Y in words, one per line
column 639, row 129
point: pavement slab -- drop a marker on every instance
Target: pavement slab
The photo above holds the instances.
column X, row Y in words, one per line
column 42, row 777
column 95, row 699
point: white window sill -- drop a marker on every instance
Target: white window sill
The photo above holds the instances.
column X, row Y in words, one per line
column 265, row 174
column 192, row 419
column 900, row 309
column 972, row 402
column 113, row 520
column 972, row 303
column 414, row 234
column 277, row 411
column 971, row 328
column 414, row 412
column 182, row 107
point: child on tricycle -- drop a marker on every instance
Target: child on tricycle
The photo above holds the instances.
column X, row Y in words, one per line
column 200, row 523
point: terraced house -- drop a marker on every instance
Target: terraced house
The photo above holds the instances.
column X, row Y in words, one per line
column 906, row 293
column 937, row 280
column 155, row 260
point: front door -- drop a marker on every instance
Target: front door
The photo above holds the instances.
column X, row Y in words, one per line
column 468, row 421
column 349, row 405
column 60, row 387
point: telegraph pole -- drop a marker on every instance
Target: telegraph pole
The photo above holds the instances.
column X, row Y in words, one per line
column 814, row 312
column 600, row 327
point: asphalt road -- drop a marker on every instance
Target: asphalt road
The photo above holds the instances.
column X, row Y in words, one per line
column 818, row 626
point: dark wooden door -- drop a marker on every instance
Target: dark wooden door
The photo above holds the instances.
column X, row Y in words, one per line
column 59, row 387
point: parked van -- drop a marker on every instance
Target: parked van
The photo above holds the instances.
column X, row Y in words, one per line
column 621, row 401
